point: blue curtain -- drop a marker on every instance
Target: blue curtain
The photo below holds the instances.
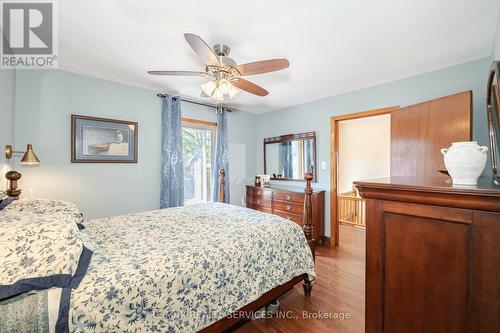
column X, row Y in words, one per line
column 172, row 164
column 221, row 160
column 309, row 156
column 286, row 159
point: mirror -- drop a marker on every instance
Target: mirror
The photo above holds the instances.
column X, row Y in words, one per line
column 493, row 109
column 289, row 157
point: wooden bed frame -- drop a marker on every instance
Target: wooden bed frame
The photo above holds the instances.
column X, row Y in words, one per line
column 268, row 297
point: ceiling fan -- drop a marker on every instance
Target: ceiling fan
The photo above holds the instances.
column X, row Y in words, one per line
column 226, row 75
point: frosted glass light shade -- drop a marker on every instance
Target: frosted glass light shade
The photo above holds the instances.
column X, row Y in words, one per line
column 209, row 87
column 225, row 86
column 218, row 95
column 233, row 92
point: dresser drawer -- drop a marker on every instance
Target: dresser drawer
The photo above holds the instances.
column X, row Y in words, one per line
column 256, row 202
column 289, row 197
column 293, row 217
column 289, row 207
column 259, row 192
column 264, row 210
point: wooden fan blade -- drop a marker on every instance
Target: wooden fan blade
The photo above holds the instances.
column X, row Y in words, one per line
column 250, row 87
column 264, row 66
column 178, row 73
column 202, row 49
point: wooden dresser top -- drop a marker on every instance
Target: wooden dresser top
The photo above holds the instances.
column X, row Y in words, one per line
column 286, row 188
column 437, row 191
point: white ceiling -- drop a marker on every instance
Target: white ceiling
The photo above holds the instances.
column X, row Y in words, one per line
column 333, row 46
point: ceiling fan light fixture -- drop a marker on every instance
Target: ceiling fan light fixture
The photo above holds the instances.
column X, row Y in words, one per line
column 209, row 87
column 233, row 92
column 218, row 95
column 225, row 86
column 226, row 75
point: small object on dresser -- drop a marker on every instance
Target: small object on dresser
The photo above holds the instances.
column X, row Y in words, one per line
column 257, row 181
column 265, row 180
column 465, row 162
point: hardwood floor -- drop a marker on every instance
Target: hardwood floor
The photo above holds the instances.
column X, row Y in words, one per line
column 338, row 290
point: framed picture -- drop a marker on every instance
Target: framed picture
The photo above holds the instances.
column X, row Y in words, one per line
column 101, row 140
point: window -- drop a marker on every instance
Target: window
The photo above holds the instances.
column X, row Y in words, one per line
column 198, row 143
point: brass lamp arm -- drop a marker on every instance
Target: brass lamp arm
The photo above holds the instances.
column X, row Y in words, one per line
column 28, row 157
column 9, row 152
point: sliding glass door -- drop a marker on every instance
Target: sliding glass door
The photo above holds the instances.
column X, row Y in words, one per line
column 198, row 140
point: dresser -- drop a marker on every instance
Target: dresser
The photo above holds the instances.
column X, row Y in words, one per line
column 432, row 256
column 288, row 202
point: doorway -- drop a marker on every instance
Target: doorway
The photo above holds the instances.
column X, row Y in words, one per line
column 360, row 149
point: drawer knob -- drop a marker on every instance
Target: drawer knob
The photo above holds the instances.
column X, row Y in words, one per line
column 258, row 192
column 258, row 201
column 288, row 197
column 288, row 207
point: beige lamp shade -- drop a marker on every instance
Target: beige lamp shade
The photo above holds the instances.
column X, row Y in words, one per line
column 29, row 157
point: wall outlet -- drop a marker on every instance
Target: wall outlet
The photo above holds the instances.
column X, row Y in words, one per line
column 323, row 165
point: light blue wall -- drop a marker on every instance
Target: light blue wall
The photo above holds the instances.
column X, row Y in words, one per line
column 496, row 42
column 7, row 93
column 315, row 116
column 45, row 100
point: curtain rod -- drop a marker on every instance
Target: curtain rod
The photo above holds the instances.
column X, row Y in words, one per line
column 193, row 101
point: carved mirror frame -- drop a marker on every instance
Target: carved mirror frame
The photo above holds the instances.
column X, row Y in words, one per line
column 493, row 110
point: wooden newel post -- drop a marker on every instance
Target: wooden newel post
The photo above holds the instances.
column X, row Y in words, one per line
column 222, row 183
column 308, row 227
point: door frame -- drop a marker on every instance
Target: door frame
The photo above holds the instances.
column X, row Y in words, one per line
column 334, row 150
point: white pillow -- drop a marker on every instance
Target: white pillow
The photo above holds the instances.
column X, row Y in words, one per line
column 39, row 252
column 45, row 207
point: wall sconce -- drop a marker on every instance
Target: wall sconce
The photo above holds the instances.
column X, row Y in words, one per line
column 29, row 158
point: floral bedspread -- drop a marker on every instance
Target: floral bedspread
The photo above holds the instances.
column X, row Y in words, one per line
column 181, row 269
column 36, row 248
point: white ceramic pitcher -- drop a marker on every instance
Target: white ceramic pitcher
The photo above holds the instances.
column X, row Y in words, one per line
column 465, row 161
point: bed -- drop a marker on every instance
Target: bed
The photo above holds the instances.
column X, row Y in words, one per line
column 196, row 268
